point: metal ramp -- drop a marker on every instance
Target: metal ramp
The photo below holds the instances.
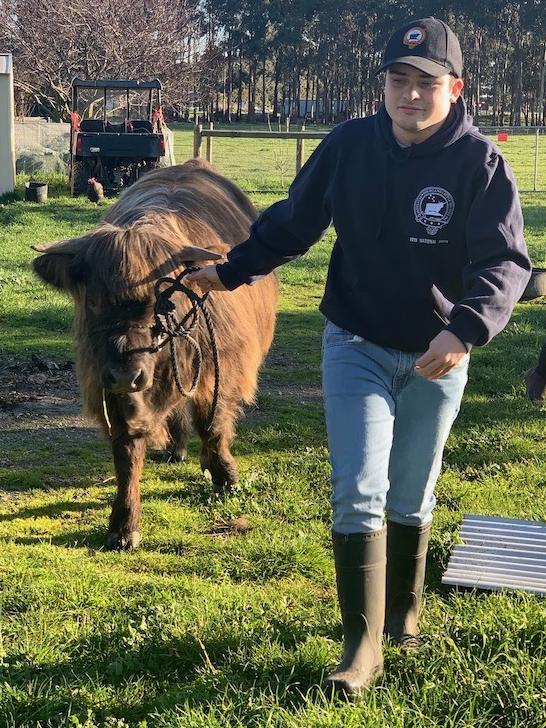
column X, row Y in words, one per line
column 499, row 554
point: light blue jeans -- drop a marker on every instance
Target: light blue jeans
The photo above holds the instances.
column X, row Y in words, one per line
column 387, row 427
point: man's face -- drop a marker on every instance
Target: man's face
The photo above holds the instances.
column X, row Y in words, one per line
column 416, row 101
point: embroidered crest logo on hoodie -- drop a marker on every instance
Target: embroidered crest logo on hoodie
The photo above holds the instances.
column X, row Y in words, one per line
column 433, row 208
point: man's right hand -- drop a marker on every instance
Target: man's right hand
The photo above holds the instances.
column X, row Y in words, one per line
column 207, row 279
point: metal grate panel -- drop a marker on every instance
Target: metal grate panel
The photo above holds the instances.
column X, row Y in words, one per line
column 499, row 554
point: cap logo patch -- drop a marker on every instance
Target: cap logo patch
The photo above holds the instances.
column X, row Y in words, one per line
column 414, row 37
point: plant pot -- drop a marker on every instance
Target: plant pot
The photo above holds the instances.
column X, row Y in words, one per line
column 36, row 191
column 536, row 286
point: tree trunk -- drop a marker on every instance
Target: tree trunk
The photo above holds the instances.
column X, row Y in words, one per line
column 229, row 86
column 324, row 100
column 263, row 87
column 276, row 90
column 477, row 82
column 240, row 89
column 307, row 84
column 251, row 90
column 515, row 116
column 541, row 106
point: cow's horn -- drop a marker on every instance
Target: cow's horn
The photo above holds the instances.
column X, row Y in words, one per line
column 191, row 253
column 63, row 247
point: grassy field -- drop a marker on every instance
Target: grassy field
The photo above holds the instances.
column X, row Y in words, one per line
column 263, row 164
column 208, row 628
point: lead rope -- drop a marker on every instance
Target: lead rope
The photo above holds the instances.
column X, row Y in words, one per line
column 166, row 323
column 105, row 413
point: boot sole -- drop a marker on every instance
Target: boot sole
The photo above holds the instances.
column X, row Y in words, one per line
column 342, row 689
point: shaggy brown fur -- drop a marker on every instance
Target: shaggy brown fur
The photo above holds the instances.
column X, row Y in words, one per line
column 170, row 218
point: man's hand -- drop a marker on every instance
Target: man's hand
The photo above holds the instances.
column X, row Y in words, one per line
column 445, row 351
column 207, row 279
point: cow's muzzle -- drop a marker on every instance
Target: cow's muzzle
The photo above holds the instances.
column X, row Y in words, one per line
column 124, row 380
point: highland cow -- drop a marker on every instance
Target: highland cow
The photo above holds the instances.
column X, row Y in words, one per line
column 169, row 219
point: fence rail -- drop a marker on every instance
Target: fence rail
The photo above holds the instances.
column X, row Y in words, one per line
column 43, row 147
column 527, row 157
column 200, row 133
column 522, row 146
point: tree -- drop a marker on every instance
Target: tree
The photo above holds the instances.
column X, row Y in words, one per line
column 52, row 42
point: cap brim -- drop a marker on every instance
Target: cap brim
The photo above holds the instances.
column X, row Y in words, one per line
column 423, row 64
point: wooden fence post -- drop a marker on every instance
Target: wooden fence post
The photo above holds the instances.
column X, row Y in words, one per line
column 197, row 140
column 209, row 144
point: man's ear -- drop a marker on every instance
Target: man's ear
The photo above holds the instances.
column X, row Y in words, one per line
column 456, row 89
column 55, row 265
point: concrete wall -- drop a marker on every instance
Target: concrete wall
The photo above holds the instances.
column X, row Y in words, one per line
column 7, row 137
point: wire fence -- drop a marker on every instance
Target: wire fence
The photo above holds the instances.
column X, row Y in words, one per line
column 524, row 147
column 263, row 164
column 260, row 164
column 41, row 146
column 44, row 147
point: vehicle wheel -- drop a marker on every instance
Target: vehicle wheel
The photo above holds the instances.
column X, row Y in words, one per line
column 148, row 165
column 78, row 178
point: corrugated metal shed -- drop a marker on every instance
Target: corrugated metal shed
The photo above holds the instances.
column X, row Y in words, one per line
column 499, row 554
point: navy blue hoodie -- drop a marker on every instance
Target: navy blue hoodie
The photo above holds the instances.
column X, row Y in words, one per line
column 429, row 237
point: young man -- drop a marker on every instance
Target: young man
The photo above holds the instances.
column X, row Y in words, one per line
column 429, row 260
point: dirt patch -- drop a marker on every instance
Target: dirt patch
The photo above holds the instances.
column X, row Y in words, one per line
column 38, row 393
column 232, row 527
column 270, row 383
column 35, row 389
column 302, row 394
column 278, row 359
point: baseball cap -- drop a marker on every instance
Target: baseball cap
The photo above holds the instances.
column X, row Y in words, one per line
column 427, row 44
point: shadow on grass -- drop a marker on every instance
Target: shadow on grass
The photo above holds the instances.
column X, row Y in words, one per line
column 53, row 510
column 534, row 218
column 78, row 214
column 52, row 458
column 86, row 538
column 190, row 671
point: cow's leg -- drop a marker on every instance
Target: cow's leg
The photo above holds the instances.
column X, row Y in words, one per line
column 216, row 455
column 179, row 425
column 124, row 529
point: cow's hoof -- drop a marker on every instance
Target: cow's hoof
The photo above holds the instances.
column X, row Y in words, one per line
column 224, row 478
column 123, row 542
column 222, row 472
column 177, row 456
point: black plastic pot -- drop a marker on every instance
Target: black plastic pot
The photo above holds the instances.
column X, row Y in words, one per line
column 536, row 286
column 36, row 191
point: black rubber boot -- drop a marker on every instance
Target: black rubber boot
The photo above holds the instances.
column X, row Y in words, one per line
column 406, row 564
column 360, row 560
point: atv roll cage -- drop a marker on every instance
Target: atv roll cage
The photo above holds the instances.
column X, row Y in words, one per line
column 116, row 132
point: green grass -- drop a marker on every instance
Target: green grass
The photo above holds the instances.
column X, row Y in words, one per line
column 257, row 163
column 201, row 631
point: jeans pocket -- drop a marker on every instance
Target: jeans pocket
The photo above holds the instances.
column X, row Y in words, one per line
column 336, row 336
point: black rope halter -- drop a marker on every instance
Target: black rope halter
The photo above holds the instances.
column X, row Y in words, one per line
column 166, row 323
